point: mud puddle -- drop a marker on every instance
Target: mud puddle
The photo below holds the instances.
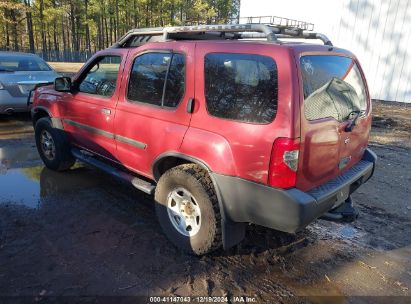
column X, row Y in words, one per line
column 16, row 186
column 25, row 181
column 27, row 186
column 17, row 156
column 15, row 126
column 89, row 235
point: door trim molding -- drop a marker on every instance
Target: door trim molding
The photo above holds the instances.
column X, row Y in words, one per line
column 120, row 138
column 132, row 142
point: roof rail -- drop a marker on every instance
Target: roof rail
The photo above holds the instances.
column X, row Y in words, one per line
column 166, row 32
column 269, row 27
column 266, row 31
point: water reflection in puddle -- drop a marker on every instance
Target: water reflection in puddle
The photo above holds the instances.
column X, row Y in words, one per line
column 27, row 186
column 20, row 186
column 17, row 156
column 348, row 232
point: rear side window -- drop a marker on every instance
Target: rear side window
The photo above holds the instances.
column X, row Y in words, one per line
column 241, row 87
column 158, row 79
column 333, row 87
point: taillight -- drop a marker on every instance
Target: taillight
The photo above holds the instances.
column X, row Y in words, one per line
column 284, row 163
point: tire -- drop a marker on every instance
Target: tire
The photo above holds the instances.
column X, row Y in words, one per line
column 52, row 146
column 204, row 236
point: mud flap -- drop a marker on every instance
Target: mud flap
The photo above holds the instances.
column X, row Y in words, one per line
column 232, row 233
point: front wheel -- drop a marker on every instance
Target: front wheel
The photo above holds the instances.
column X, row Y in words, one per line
column 52, row 146
column 187, row 209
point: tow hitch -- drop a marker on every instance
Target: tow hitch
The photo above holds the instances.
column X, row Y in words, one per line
column 343, row 213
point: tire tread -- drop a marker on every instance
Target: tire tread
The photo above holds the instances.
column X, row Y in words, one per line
column 66, row 158
column 214, row 239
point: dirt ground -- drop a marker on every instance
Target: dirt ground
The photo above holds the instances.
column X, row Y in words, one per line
column 85, row 235
column 66, row 68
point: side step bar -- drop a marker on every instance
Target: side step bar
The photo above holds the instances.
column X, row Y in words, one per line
column 139, row 183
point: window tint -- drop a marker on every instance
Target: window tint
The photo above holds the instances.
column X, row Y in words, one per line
column 175, row 81
column 155, row 75
column 101, row 78
column 147, row 77
column 241, row 87
column 332, row 86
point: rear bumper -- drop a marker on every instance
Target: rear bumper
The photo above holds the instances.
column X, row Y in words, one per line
column 17, row 104
column 289, row 210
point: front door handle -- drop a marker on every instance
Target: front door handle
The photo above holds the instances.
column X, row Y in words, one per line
column 106, row 111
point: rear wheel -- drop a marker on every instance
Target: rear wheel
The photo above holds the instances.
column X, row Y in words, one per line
column 52, row 146
column 187, row 208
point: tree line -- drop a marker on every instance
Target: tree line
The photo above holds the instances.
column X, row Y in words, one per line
column 91, row 25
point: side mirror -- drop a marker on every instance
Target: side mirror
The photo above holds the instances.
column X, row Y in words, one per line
column 62, row 84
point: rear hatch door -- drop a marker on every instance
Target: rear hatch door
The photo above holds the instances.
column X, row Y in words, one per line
column 333, row 95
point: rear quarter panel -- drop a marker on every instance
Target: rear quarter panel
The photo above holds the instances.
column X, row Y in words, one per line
column 236, row 148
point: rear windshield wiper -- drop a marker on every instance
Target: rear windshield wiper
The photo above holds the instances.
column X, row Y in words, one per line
column 355, row 115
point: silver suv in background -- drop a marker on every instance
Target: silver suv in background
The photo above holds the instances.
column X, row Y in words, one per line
column 19, row 73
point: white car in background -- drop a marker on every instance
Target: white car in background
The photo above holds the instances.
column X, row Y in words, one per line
column 19, row 74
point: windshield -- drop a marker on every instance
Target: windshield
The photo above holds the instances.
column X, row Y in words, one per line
column 333, row 87
column 14, row 63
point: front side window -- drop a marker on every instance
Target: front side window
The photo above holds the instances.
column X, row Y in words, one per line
column 101, row 78
column 241, row 87
column 158, row 79
column 333, row 87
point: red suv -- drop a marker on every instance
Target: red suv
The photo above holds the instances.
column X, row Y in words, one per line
column 224, row 131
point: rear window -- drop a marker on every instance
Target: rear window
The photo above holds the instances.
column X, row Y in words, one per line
column 333, row 87
column 241, row 87
column 14, row 63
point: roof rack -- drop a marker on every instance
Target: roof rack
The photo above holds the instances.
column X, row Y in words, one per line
column 268, row 27
column 287, row 28
column 268, row 20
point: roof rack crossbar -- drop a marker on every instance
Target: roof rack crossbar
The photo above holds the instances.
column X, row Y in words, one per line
column 277, row 21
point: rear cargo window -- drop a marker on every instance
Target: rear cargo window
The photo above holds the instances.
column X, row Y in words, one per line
column 241, row 87
column 333, row 87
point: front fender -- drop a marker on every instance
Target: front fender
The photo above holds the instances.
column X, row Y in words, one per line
column 46, row 98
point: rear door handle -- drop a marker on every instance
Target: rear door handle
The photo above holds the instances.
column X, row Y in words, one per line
column 106, row 111
column 190, row 105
